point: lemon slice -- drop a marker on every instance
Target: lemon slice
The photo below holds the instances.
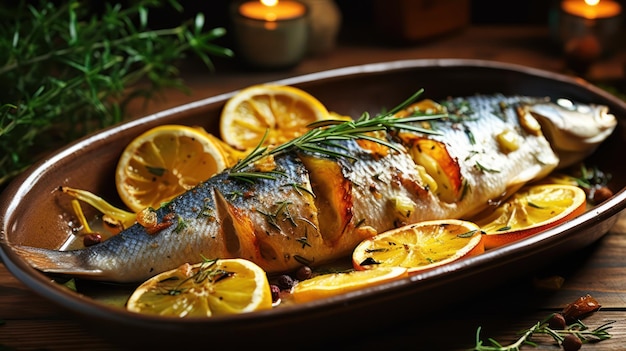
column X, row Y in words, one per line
column 282, row 111
column 420, row 246
column 332, row 284
column 211, row 288
column 164, row 162
column 530, row 210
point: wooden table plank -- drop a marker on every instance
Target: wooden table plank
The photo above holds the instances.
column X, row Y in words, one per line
column 17, row 301
column 599, row 270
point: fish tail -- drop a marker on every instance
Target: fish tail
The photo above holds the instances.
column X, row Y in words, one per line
column 53, row 261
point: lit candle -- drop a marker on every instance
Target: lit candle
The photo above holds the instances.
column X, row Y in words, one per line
column 592, row 9
column 271, row 33
column 587, row 30
column 272, row 10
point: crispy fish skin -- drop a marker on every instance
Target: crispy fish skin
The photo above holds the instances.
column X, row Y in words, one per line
column 318, row 208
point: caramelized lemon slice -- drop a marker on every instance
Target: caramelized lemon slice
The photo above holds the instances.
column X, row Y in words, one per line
column 282, row 111
column 164, row 162
column 532, row 209
column 420, row 246
column 211, row 288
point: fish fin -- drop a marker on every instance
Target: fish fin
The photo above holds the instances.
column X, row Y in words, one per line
column 53, row 261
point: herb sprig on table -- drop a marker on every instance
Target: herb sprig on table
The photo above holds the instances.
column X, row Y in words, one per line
column 67, row 70
column 565, row 327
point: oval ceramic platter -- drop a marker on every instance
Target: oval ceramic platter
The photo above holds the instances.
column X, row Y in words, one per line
column 32, row 214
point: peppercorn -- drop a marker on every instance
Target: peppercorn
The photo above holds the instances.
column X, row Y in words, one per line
column 557, row 321
column 571, row 343
column 285, row 282
column 92, row 239
column 275, row 292
column 304, row 273
column 600, row 194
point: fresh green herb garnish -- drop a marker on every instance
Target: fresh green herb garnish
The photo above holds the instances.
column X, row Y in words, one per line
column 577, row 329
column 468, row 234
column 300, row 188
column 471, row 154
column 181, row 225
column 207, row 271
column 66, row 71
column 486, row 169
column 376, row 250
column 324, row 134
column 470, row 135
column 70, row 284
column 302, row 260
column 501, row 110
column 592, row 176
column 206, row 211
column 304, row 241
column 466, row 189
column 157, row 171
column 281, row 210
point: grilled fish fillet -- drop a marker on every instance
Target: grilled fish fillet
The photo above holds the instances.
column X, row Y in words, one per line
column 317, row 208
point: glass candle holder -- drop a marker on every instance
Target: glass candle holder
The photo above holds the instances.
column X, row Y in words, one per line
column 270, row 36
column 587, row 29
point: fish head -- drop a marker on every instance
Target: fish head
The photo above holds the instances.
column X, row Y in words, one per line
column 574, row 130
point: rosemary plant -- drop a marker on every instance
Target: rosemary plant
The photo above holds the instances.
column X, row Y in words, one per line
column 323, row 136
column 66, row 70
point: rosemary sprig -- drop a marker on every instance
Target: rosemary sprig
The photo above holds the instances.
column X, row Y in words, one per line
column 577, row 329
column 66, row 70
column 207, row 271
column 323, row 136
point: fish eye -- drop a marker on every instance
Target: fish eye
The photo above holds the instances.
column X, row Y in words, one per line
column 566, row 103
column 571, row 106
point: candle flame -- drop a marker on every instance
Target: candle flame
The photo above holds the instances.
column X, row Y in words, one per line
column 270, row 16
column 592, row 2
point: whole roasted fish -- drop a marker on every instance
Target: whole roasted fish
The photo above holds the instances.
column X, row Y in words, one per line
column 315, row 198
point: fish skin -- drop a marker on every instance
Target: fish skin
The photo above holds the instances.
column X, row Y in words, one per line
column 319, row 208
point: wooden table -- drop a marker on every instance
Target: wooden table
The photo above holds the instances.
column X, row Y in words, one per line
column 32, row 323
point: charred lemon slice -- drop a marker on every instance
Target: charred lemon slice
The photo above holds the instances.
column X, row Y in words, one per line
column 284, row 112
column 530, row 210
column 211, row 288
column 419, row 247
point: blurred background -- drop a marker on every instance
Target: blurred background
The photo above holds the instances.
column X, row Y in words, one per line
column 418, row 28
column 362, row 19
column 520, row 32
